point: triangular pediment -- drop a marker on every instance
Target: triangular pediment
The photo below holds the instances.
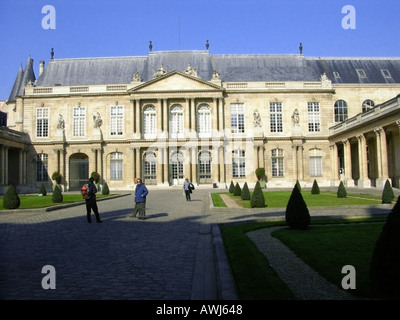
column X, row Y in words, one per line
column 175, row 81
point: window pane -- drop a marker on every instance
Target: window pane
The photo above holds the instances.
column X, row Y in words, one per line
column 79, row 118
column 314, row 123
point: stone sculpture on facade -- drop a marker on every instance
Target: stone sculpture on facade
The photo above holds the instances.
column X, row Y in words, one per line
column 191, row 71
column 136, row 77
column 295, row 117
column 257, row 119
column 97, row 120
column 60, row 122
column 216, row 75
column 159, row 72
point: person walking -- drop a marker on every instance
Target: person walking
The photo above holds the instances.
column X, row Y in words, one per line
column 91, row 202
column 188, row 187
column 141, row 193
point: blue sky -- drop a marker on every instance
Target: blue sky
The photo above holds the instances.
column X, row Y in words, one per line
column 103, row 28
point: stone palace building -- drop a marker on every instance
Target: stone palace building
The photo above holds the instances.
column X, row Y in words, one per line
column 211, row 118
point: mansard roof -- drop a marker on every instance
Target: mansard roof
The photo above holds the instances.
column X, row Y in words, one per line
column 231, row 67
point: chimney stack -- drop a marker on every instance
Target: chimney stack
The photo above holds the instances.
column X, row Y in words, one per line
column 41, row 67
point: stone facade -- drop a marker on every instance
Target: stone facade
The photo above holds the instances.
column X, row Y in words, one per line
column 174, row 122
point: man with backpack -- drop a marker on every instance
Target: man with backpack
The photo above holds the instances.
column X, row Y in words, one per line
column 91, row 203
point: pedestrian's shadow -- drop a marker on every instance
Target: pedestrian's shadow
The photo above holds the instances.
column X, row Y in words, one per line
column 156, row 215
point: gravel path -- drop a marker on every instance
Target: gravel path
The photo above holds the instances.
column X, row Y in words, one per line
column 305, row 283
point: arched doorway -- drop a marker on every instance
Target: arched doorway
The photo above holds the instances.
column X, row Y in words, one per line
column 78, row 170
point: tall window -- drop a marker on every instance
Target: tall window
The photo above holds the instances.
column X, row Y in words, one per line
column 205, row 165
column 176, row 122
column 315, row 162
column 42, row 160
column 340, row 109
column 204, row 121
column 117, row 120
column 237, row 118
column 149, row 122
column 275, row 114
column 116, row 166
column 314, row 122
column 150, row 168
column 177, row 159
column 367, row 105
column 238, row 163
column 277, row 162
column 79, row 114
column 42, row 122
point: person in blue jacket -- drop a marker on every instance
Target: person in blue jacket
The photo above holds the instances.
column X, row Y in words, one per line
column 141, row 193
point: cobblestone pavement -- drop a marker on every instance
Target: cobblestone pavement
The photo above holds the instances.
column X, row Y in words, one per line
column 175, row 254
column 122, row 258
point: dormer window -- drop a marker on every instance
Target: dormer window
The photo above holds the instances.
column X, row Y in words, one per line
column 336, row 74
column 361, row 73
column 386, row 73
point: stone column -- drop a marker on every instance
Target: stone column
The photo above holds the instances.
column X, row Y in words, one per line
column 166, row 165
column 138, row 163
column 193, row 164
column 347, row 163
column 295, row 163
column 222, row 168
column 187, row 125
column 20, row 166
column 159, row 117
column 364, row 181
column 381, row 157
column 138, row 129
column 300, row 162
column 133, row 149
column 66, row 168
column 193, row 114
column 256, row 158
column 221, row 114
column 215, row 164
column 165, row 116
column 25, row 166
column 214, row 116
column 334, row 165
column 159, row 165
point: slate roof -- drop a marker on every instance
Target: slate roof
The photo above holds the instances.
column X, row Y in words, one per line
column 232, row 68
column 22, row 78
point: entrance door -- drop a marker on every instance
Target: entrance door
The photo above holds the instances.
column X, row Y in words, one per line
column 78, row 171
column 176, row 168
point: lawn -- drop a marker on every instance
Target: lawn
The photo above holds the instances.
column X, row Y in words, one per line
column 327, row 246
column 279, row 199
column 36, row 201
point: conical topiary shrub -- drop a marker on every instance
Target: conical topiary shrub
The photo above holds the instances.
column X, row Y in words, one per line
column 298, row 185
column 105, row 189
column 245, row 192
column 341, row 192
column 57, row 196
column 385, row 262
column 257, row 199
column 315, row 188
column 237, row 191
column 297, row 215
column 11, row 198
column 387, row 193
column 42, row 190
column 231, row 187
